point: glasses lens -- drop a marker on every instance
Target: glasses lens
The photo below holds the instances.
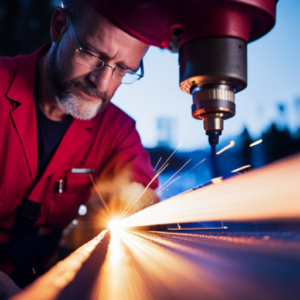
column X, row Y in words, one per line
column 123, row 76
column 130, row 78
column 88, row 60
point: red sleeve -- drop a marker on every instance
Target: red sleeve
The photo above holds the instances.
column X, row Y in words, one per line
column 128, row 153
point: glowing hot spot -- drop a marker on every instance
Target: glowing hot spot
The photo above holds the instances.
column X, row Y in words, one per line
column 114, row 225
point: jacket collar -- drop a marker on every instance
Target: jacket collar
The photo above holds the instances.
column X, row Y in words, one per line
column 22, row 87
column 24, row 118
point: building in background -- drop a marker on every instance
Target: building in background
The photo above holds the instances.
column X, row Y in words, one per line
column 166, row 132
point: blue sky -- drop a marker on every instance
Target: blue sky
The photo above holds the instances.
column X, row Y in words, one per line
column 273, row 78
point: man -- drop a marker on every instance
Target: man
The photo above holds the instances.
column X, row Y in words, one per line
column 58, row 130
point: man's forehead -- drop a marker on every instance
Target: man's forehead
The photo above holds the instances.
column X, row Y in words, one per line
column 101, row 35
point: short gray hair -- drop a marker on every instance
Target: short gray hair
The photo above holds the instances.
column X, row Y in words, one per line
column 75, row 8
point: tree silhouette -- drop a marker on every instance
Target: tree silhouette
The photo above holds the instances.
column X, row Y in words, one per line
column 279, row 143
column 246, row 150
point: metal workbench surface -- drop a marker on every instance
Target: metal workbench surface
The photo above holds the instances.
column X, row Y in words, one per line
column 170, row 265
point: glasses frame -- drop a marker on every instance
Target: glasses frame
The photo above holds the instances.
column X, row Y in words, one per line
column 104, row 64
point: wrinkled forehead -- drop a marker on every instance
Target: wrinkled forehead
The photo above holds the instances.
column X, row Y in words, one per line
column 93, row 30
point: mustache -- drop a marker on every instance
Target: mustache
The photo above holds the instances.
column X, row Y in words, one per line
column 87, row 88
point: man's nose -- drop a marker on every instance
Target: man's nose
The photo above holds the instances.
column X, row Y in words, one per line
column 101, row 78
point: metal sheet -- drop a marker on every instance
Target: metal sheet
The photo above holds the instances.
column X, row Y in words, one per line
column 162, row 265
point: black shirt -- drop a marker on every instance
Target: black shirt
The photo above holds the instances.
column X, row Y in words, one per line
column 49, row 133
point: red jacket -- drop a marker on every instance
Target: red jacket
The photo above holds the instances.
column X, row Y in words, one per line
column 109, row 141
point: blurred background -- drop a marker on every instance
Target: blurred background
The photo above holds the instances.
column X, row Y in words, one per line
column 269, row 109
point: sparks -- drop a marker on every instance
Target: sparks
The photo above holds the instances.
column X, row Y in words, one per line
column 256, row 143
column 99, row 194
column 174, row 175
column 157, row 164
column 170, row 157
column 196, row 165
column 159, row 172
column 231, row 144
column 194, row 135
column 241, row 168
column 256, row 195
column 160, row 192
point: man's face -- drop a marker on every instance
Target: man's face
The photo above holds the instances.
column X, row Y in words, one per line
column 80, row 91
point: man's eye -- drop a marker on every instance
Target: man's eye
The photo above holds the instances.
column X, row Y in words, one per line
column 123, row 69
column 86, row 55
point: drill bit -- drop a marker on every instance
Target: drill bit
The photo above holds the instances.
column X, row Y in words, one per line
column 213, row 138
column 214, row 167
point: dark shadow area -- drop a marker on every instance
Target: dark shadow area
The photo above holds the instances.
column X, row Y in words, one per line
column 25, row 25
column 82, row 285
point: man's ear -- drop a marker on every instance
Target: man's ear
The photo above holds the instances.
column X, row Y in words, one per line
column 58, row 25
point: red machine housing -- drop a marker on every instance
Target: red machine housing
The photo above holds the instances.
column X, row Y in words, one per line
column 211, row 37
column 154, row 21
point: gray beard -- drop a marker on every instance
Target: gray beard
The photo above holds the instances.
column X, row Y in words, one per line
column 74, row 104
column 79, row 108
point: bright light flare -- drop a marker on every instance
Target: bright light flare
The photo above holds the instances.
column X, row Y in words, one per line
column 114, row 225
column 271, row 192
